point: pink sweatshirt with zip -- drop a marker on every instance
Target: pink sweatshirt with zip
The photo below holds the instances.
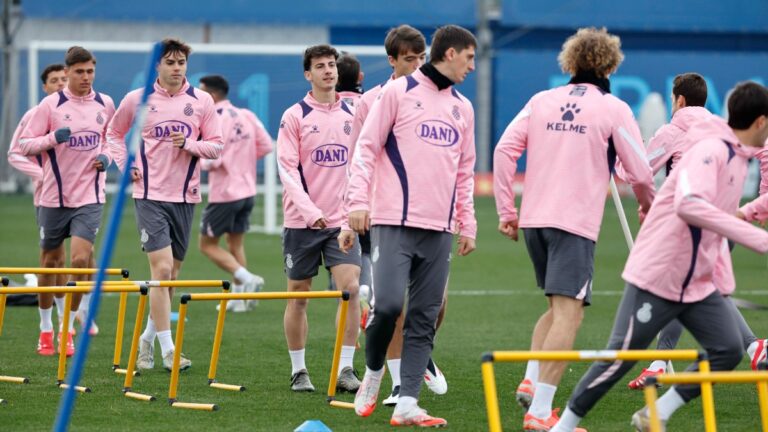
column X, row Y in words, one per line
column 572, row 135
column 416, row 153
column 69, row 180
column 169, row 173
column 679, row 243
column 232, row 176
column 32, row 166
column 666, row 147
column 313, row 146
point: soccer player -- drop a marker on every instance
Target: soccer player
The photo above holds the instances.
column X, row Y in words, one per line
column 181, row 127
column 66, row 131
column 669, row 272
column 572, row 134
column 350, row 84
column 406, row 53
column 689, row 94
column 232, row 186
column 313, row 145
column 411, row 183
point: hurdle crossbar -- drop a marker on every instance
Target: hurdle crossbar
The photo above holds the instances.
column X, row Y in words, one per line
column 760, row 378
column 223, row 298
column 489, row 378
column 130, row 370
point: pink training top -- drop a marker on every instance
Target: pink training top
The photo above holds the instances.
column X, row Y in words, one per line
column 69, row 180
column 32, row 166
column 573, row 134
column 682, row 237
column 762, row 156
column 666, row 146
column 232, row 176
column 168, row 173
column 350, row 98
column 362, row 110
column 417, row 150
column 313, row 146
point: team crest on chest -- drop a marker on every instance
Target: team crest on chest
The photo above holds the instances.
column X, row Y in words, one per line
column 188, row 111
column 347, row 127
column 100, row 118
column 455, row 112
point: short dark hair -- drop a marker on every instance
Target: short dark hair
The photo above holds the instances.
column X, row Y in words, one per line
column 317, row 51
column 48, row 69
column 78, row 54
column 172, row 45
column 691, row 86
column 402, row 39
column 349, row 72
column 216, row 84
column 450, row 36
column 748, row 101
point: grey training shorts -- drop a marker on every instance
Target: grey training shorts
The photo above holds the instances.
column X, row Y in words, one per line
column 227, row 217
column 304, row 250
column 162, row 224
column 58, row 223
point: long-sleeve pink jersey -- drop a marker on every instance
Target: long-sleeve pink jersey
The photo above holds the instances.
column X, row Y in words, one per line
column 361, row 112
column 32, row 166
column 666, row 147
column 417, row 151
column 682, row 237
column 69, row 179
column 762, row 157
column 573, row 134
column 169, row 173
column 232, row 176
column 312, row 154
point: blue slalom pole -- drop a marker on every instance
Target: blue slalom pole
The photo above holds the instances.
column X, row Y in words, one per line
column 75, row 372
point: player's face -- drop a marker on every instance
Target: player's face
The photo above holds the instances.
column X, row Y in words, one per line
column 407, row 63
column 56, row 81
column 172, row 69
column 460, row 63
column 80, row 77
column 322, row 73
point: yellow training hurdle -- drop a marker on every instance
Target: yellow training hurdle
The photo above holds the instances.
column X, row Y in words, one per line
column 489, row 379
column 223, row 298
column 68, row 291
column 130, row 371
column 708, row 378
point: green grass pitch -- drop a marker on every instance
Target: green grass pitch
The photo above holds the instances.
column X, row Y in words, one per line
column 493, row 304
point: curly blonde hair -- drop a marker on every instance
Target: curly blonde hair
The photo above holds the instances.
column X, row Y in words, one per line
column 591, row 49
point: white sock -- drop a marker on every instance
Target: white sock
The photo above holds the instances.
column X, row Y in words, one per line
column 243, row 275
column 297, row 360
column 669, row 403
column 166, row 341
column 374, row 374
column 85, row 304
column 751, row 349
column 394, row 371
column 658, row 365
column 541, row 406
column 72, row 315
column 347, row 357
column 405, row 404
column 532, row 371
column 150, row 332
column 46, row 324
column 567, row 423
column 59, row 306
column 238, row 288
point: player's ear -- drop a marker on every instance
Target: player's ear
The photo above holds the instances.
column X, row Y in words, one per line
column 308, row 75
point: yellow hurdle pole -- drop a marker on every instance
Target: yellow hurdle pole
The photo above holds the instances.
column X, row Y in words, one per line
column 13, row 379
column 195, row 406
column 217, row 343
column 206, row 283
column 276, row 295
column 762, row 397
column 119, row 331
column 587, row 355
column 69, row 289
column 732, row 377
column 707, row 398
column 129, row 373
column 340, row 328
column 63, row 336
column 59, row 270
column 5, row 281
column 177, row 352
column 491, row 395
column 650, row 401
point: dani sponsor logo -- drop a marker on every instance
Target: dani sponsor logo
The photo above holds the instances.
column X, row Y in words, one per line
column 330, row 155
column 84, row 140
column 437, row 133
column 163, row 130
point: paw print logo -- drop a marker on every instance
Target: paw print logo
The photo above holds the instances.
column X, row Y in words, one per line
column 569, row 111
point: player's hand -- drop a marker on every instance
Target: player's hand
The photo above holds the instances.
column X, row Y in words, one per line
column 320, row 223
column 346, row 240
column 359, row 221
column 100, row 163
column 466, row 246
column 740, row 215
column 62, row 135
column 509, row 229
column 178, row 139
column 135, row 175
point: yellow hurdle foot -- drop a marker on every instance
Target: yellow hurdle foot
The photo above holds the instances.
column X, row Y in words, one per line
column 194, row 406
column 80, row 389
column 229, row 387
column 13, row 379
